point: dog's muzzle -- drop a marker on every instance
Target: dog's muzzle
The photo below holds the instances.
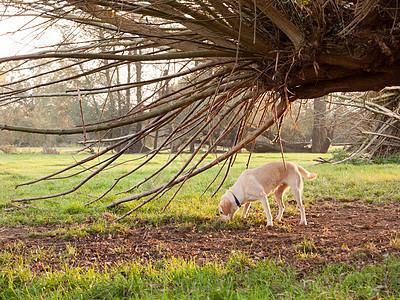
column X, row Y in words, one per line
column 225, row 218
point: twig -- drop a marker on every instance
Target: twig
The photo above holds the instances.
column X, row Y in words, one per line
column 15, row 206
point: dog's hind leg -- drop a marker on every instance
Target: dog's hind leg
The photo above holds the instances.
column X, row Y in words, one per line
column 245, row 209
column 296, row 184
column 298, row 195
column 279, row 193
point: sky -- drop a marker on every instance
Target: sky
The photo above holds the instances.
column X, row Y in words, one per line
column 23, row 41
column 11, row 44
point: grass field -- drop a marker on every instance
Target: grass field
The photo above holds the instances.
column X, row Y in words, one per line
column 238, row 278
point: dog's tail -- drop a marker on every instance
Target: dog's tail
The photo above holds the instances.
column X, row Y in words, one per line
column 306, row 174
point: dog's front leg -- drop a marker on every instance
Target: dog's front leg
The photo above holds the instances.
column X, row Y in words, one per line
column 265, row 204
column 245, row 209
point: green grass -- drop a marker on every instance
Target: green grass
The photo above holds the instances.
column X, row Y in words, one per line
column 370, row 183
column 239, row 278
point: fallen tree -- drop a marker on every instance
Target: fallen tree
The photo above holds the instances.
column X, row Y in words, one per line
column 256, row 58
column 378, row 127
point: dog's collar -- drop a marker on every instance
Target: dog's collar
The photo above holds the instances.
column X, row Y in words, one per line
column 236, row 199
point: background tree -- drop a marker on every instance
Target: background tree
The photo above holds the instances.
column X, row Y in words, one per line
column 321, row 135
column 263, row 56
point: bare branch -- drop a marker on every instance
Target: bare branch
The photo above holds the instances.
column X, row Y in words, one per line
column 128, row 58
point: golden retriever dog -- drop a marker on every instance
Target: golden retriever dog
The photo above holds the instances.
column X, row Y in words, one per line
column 256, row 184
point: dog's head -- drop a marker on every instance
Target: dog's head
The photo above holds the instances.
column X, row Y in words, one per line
column 226, row 209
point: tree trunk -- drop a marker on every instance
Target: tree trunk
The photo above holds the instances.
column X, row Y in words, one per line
column 162, row 93
column 138, row 147
column 320, row 139
column 155, row 143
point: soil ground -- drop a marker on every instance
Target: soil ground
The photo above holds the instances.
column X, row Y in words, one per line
column 350, row 232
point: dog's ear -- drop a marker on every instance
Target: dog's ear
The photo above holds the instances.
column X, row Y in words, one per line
column 225, row 205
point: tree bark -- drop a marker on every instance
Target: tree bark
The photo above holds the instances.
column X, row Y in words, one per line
column 320, row 140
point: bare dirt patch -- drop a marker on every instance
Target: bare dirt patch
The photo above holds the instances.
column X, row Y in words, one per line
column 350, row 232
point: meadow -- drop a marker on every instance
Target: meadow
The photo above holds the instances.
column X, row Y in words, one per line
column 239, row 275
